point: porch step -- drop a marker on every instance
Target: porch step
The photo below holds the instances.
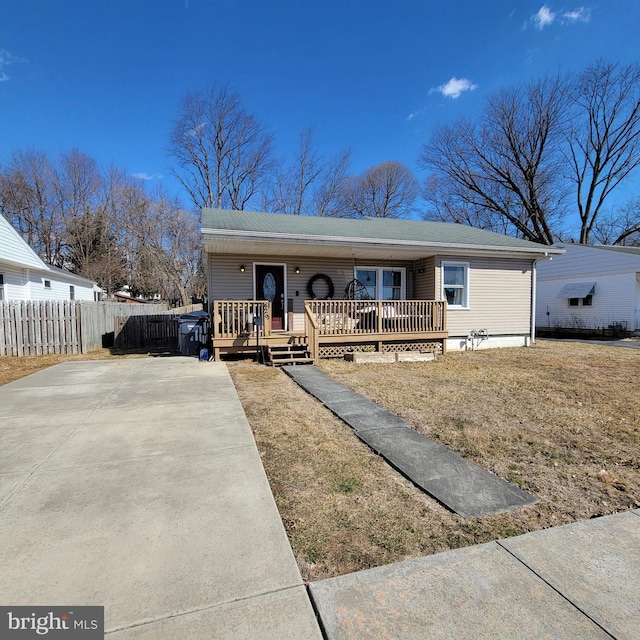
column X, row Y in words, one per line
column 285, row 354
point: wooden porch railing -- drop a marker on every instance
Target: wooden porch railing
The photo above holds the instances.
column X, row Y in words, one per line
column 359, row 317
column 234, row 318
column 378, row 319
column 334, row 321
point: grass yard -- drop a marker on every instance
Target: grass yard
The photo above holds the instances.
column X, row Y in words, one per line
column 559, row 419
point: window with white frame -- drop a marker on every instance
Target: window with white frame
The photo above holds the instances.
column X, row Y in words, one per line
column 1, row 287
column 455, row 284
column 47, row 284
column 72, row 292
column 383, row 283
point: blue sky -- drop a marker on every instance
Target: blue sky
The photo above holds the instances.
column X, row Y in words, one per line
column 107, row 76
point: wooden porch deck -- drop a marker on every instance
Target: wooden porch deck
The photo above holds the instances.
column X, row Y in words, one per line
column 333, row 327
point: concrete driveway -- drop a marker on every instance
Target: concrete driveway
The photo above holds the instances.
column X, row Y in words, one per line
column 137, row 485
column 624, row 343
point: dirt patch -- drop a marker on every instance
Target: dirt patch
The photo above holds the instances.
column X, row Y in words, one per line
column 560, row 420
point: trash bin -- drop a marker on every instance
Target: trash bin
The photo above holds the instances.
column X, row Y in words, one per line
column 193, row 329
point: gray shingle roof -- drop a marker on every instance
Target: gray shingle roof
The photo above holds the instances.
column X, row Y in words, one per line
column 619, row 249
column 380, row 229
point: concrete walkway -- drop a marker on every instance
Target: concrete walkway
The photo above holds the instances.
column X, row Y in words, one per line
column 452, row 480
column 576, row 582
column 137, row 485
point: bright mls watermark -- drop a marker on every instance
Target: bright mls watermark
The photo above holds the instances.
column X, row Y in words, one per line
column 23, row 623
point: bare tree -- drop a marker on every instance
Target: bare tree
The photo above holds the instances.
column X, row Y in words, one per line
column 604, row 137
column 173, row 238
column 28, row 201
column 504, row 167
column 620, row 227
column 291, row 192
column 77, row 184
column 103, row 225
column 326, row 197
column 223, row 154
column 310, row 184
column 387, row 190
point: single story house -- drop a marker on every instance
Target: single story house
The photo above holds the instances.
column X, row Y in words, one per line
column 24, row 276
column 592, row 287
column 338, row 284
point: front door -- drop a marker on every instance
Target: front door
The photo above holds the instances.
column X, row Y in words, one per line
column 270, row 286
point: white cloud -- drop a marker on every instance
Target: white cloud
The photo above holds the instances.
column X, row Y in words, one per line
column 415, row 114
column 543, row 18
column 5, row 60
column 455, row 87
column 145, row 176
column 581, row 14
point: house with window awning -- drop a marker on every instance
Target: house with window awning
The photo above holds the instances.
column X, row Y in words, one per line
column 590, row 287
column 335, row 285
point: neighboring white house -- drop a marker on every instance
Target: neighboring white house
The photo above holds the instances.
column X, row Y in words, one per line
column 590, row 287
column 24, row 276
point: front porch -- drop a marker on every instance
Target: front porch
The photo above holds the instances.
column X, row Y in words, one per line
column 332, row 327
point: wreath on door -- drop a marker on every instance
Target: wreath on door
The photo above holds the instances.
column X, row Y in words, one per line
column 327, row 280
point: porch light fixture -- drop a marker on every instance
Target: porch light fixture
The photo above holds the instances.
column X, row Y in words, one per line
column 296, row 270
column 241, row 268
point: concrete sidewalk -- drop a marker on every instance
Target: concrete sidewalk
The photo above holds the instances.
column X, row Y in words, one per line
column 576, row 582
column 137, row 485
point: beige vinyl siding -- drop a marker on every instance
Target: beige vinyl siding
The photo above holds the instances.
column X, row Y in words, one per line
column 425, row 283
column 227, row 282
column 499, row 297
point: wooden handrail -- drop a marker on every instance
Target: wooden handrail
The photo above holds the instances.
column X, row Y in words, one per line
column 234, row 318
column 312, row 332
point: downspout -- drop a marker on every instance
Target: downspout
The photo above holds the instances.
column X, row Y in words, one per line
column 205, row 267
column 534, row 273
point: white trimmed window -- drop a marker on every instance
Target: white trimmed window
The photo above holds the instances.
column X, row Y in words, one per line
column 47, row 284
column 383, row 283
column 1, row 287
column 455, row 284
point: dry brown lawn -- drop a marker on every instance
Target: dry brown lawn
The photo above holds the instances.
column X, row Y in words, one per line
column 561, row 420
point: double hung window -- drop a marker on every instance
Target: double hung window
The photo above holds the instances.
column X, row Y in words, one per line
column 383, row 283
column 455, row 284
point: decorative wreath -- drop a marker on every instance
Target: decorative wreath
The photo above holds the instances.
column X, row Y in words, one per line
column 329, row 283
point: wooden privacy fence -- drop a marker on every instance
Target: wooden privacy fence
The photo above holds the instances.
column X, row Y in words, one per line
column 134, row 332
column 42, row 327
